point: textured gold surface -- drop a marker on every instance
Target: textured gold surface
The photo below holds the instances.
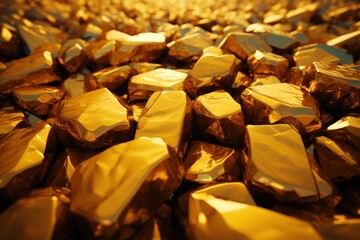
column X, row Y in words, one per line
column 9, row 119
column 347, row 129
column 73, row 55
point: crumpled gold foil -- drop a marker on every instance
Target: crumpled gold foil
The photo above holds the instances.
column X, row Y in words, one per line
column 347, row 129
column 38, row 100
column 220, row 218
column 189, row 48
column 73, row 55
column 265, row 63
column 93, row 120
column 143, row 85
column 32, row 70
column 167, row 115
column 9, row 120
column 143, row 47
column 210, row 73
column 290, row 177
column 25, row 157
column 42, row 215
column 118, row 190
column 334, row 86
column 337, row 159
column 207, row 163
column 218, row 117
column 110, row 78
column 282, row 103
column 243, row 45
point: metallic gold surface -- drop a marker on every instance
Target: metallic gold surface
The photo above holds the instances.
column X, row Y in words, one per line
column 94, row 120
column 146, row 169
column 137, row 109
column 338, row 160
column 264, row 80
column 218, row 117
column 48, row 208
column 189, row 48
column 265, row 63
column 141, row 67
column 9, row 120
column 218, row 218
column 334, row 86
column 282, row 103
column 167, row 115
column 32, row 70
column 73, row 55
column 110, row 78
column 210, row 73
column 143, row 85
column 243, row 45
column 294, row 76
column 285, row 150
column 38, row 100
column 25, row 156
column 348, row 41
column 342, row 229
column 100, row 52
column 347, row 129
column 144, row 47
column 74, row 85
column 207, row 163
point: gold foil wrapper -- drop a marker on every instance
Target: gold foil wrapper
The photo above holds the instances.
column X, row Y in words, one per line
column 282, row 103
column 38, row 100
column 167, row 115
column 144, row 47
column 218, row 117
column 265, row 63
column 347, row 130
column 110, row 78
column 42, row 215
column 211, row 217
column 338, row 160
column 207, row 163
column 300, row 182
column 210, row 73
column 25, row 157
column 334, row 86
column 189, row 48
column 32, row 70
column 243, row 45
column 93, row 120
column 73, row 55
column 10, row 120
column 143, row 85
column 146, row 169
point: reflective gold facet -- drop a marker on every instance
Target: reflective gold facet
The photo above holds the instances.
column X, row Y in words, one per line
column 73, row 55
column 9, row 120
column 95, row 119
column 347, row 129
column 167, row 115
column 146, row 169
column 74, row 85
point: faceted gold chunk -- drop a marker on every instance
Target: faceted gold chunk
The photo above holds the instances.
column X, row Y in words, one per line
column 243, row 45
column 110, row 78
column 144, row 47
column 74, row 85
column 218, row 218
column 347, row 129
column 167, row 115
column 146, row 169
column 334, row 86
column 282, row 103
column 94, row 120
column 294, row 76
column 25, row 156
column 38, row 100
column 210, row 73
column 142, row 67
column 338, row 160
column 300, row 182
column 207, row 163
column 189, row 48
column 48, row 208
column 100, row 52
column 264, row 80
column 218, row 117
column 32, row 70
column 348, row 41
column 141, row 86
column 265, row 63
column 9, row 120
column 73, row 55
